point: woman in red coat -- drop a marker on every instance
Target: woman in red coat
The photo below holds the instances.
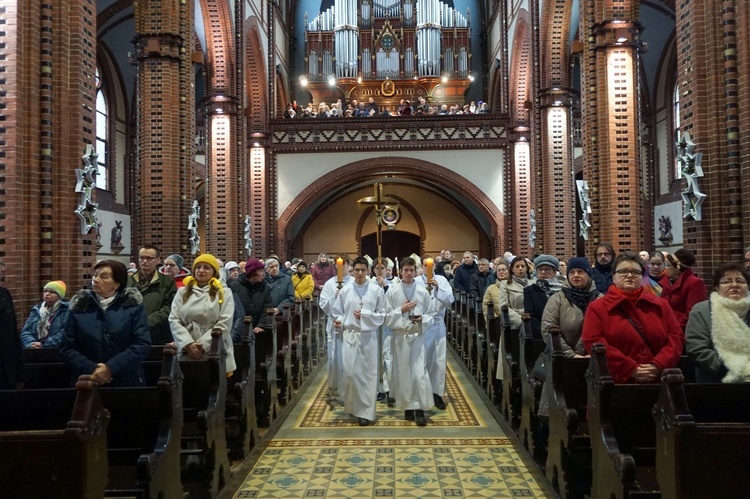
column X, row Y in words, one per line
column 640, row 331
column 687, row 289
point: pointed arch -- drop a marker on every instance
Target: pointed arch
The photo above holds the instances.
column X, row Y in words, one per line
column 256, row 77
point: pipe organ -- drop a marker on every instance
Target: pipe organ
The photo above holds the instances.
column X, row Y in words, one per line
column 389, row 49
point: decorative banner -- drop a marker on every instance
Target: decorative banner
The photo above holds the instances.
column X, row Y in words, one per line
column 248, row 235
column 692, row 169
column 85, row 184
column 195, row 239
column 532, row 229
column 584, row 224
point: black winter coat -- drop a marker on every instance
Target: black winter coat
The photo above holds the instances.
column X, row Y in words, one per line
column 255, row 298
column 11, row 362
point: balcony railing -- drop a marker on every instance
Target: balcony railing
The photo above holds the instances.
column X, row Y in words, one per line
column 478, row 131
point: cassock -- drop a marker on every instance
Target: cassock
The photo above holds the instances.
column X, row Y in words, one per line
column 410, row 382
column 384, row 384
column 435, row 335
column 359, row 352
column 326, row 300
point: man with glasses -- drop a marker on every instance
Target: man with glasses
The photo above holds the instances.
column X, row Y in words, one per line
column 158, row 291
column 535, row 296
column 602, row 271
column 359, row 311
column 280, row 284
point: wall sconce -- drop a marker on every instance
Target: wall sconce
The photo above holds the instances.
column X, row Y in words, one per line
column 332, row 80
column 303, row 81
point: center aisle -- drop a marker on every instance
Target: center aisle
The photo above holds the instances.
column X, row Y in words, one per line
column 462, row 452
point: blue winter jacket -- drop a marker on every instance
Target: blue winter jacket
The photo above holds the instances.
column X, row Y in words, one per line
column 56, row 327
column 118, row 337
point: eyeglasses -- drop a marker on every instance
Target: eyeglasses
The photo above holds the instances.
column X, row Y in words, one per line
column 545, row 270
column 147, row 258
column 729, row 282
column 626, row 272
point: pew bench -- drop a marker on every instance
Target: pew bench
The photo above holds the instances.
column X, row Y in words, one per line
column 531, row 390
column 702, row 438
column 53, row 440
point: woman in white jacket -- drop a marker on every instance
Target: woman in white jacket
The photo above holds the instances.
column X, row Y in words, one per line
column 204, row 303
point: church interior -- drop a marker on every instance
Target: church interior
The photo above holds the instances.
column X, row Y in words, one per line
column 534, row 126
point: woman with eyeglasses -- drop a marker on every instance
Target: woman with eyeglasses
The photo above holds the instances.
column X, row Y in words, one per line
column 718, row 330
column 639, row 330
column 687, row 289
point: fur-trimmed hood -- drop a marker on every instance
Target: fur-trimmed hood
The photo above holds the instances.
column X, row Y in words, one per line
column 83, row 300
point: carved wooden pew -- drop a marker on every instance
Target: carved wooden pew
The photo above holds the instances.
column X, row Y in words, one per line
column 240, row 415
column 569, row 446
column 53, row 440
column 45, row 369
column 702, row 438
column 205, row 466
column 511, row 354
column 143, row 440
column 531, row 390
column 623, row 437
column 480, row 360
column 469, row 333
column 494, row 335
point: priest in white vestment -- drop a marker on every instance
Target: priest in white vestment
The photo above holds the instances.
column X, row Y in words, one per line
column 435, row 335
column 359, row 311
column 327, row 297
column 408, row 313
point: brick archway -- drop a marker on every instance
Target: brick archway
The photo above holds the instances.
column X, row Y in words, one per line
column 401, row 167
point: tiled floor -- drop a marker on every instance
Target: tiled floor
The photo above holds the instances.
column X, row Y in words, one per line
column 463, row 452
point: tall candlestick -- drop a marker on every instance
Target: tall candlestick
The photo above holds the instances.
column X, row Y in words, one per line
column 428, row 265
column 340, row 269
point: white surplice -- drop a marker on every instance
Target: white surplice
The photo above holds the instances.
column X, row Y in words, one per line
column 435, row 336
column 327, row 297
column 359, row 352
column 410, row 382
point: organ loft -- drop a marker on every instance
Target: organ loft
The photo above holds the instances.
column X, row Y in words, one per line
column 389, row 50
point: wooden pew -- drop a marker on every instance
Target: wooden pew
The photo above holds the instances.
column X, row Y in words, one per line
column 511, row 354
column 53, row 440
column 494, row 335
column 569, row 446
column 702, row 438
column 240, row 415
column 205, row 466
column 45, row 369
column 143, row 439
column 481, row 348
column 531, row 390
column 623, row 436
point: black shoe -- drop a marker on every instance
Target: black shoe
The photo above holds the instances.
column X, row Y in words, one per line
column 421, row 420
column 409, row 415
column 381, row 396
column 439, row 402
column 364, row 422
column 391, row 401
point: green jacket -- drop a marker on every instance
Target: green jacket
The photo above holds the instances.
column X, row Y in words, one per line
column 157, row 300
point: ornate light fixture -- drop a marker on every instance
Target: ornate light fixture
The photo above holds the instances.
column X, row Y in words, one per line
column 692, row 169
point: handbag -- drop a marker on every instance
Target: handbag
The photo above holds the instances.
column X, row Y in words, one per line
column 540, row 367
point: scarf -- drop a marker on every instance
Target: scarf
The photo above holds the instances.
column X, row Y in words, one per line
column 549, row 286
column 523, row 281
column 630, row 295
column 579, row 297
column 214, row 284
column 731, row 335
column 45, row 319
column 105, row 302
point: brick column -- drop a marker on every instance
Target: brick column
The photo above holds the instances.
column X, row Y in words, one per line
column 555, row 203
column 163, row 180
column 611, row 116
column 47, row 106
column 714, row 111
column 519, row 193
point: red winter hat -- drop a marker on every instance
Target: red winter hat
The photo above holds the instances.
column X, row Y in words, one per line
column 252, row 265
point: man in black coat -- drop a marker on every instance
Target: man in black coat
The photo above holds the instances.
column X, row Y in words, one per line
column 12, row 371
column 463, row 273
column 255, row 296
column 536, row 295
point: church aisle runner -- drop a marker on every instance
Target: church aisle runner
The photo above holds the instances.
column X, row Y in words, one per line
column 463, row 452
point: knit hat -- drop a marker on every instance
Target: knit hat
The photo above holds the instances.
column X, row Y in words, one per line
column 686, row 258
column 178, row 260
column 210, row 260
column 546, row 260
column 231, row 265
column 579, row 263
column 252, row 265
column 58, row 287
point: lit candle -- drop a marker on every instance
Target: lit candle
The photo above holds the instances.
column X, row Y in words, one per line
column 428, row 265
column 340, row 269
